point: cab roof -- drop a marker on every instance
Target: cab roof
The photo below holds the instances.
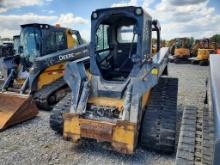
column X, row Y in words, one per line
column 42, row 26
column 35, row 25
column 125, row 8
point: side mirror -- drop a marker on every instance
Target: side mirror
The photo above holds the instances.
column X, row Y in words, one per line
column 20, row 49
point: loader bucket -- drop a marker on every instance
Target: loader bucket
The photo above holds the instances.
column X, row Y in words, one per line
column 16, row 108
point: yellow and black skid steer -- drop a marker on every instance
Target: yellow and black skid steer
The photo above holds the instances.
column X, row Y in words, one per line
column 203, row 52
column 181, row 51
column 127, row 93
column 35, row 76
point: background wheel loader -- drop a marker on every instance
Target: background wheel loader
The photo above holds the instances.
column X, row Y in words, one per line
column 180, row 50
column 126, row 94
column 205, row 48
column 35, row 76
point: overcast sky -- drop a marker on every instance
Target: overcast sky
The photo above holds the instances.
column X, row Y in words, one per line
column 179, row 18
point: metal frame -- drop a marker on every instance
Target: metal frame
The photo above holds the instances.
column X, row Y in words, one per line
column 214, row 102
column 144, row 75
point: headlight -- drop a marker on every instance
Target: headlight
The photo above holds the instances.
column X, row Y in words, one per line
column 138, row 11
column 94, row 15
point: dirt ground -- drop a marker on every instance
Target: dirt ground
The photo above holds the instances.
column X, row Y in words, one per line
column 33, row 142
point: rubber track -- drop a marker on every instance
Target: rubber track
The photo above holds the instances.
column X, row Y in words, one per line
column 195, row 145
column 158, row 130
column 41, row 96
column 56, row 117
column 181, row 61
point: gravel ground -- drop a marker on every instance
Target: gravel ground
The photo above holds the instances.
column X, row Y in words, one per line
column 33, row 142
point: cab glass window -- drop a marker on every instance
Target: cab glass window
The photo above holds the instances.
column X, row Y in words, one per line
column 102, row 37
column 125, row 34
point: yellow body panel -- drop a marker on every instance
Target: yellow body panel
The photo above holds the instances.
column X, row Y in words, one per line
column 122, row 134
column 145, row 99
column 19, row 81
column 50, row 74
column 124, row 137
column 154, row 50
column 182, row 52
column 203, row 54
column 71, row 127
column 113, row 102
column 107, row 101
column 70, row 40
column 55, row 72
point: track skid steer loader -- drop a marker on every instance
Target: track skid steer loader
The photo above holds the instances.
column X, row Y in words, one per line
column 203, row 52
column 124, row 95
column 35, row 75
column 181, row 50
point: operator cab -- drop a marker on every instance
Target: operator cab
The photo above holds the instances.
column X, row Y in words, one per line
column 41, row 39
column 116, row 43
column 38, row 40
column 119, row 42
column 182, row 43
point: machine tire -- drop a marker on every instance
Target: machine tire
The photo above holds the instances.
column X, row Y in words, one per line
column 171, row 60
column 204, row 63
column 194, row 62
column 158, row 129
column 181, row 61
column 196, row 137
column 56, row 117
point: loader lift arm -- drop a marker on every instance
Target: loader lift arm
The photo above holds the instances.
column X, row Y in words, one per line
column 80, row 53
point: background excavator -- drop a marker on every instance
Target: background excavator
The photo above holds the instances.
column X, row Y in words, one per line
column 34, row 77
column 126, row 94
